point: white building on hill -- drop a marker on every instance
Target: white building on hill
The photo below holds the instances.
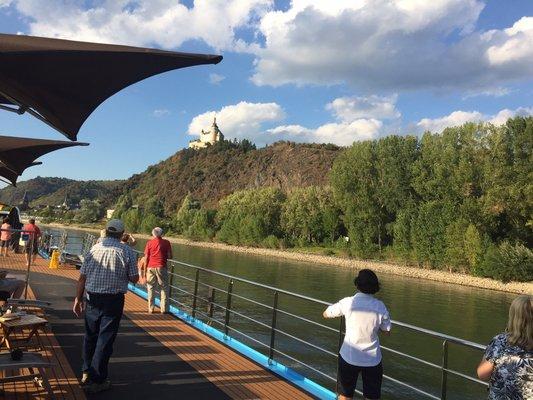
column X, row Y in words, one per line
column 211, row 136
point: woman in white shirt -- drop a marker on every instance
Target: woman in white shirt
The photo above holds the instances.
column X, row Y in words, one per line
column 365, row 317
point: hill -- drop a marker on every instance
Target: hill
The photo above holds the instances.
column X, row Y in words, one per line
column 52, row 191
column 212, row 173
column 208, row 175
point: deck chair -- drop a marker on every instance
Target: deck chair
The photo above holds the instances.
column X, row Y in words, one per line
column 35, row 363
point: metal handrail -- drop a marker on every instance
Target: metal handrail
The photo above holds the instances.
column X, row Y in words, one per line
column 274, row 309
column 446, row 338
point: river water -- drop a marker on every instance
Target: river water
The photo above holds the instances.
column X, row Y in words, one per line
column 468, row 313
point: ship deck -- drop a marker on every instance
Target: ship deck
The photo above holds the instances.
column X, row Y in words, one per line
column 155, row 356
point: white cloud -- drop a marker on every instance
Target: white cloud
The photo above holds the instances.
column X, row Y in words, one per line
column 351, row 108
column 342, row 134
column 358, row 119
column 503, row 115
column 248, row 120
column 460, row 117
column 391, row 45
column 165, row 23
column 242, row 120
column 490, row 92
column 215, row 79
column 454, row 119
column 5, row 3
column 161, row 112
column 376, row 45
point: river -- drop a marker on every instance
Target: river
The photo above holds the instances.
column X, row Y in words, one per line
column 468, row 313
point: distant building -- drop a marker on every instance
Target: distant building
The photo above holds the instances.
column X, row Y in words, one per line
column 25, row 203
column 211, row 136
column 65, row 205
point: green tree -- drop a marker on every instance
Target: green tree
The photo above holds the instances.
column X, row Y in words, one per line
column 148, row 222
column 249, row 216
column 203, row 225
column 185, row 215
column 124, row 204
column 475, row 247
column 132, row 220
column 90, row 211
column 310, row 216
column 428, row 232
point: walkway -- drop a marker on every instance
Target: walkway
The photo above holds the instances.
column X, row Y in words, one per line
column 156, row 356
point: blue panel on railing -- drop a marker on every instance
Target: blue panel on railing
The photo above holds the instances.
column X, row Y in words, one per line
column 285, row 372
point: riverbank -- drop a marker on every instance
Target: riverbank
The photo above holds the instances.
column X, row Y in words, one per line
column 382, row 267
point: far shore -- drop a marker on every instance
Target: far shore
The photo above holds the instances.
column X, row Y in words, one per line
column 378, row 266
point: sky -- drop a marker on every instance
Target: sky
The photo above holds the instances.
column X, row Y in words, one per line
column 321, row 71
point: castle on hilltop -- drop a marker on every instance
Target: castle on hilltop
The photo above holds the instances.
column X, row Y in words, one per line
column 211, row 136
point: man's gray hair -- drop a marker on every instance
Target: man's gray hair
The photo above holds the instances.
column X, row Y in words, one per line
column 157, row 232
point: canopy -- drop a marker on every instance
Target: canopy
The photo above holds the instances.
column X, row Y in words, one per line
column 17, row 154
column 62, row 82
column 11, row 176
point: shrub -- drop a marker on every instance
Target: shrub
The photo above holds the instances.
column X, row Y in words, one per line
column 271, row 242
column 508, row 262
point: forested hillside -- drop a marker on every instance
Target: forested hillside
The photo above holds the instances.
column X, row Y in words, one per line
column 211, row 174
column 461, row 200
column 52, row 191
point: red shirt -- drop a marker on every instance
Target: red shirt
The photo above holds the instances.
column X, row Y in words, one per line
column 156, row 252
column 33, row 230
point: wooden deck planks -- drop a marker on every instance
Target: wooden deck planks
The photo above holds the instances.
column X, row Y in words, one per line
column 235, row 375
column 64, row 383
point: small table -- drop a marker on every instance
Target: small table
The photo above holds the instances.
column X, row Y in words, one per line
column 27, row 321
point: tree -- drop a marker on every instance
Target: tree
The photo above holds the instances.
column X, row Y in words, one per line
column 249, row 216
column 428, row 232
column 185, row 215
column 124, row 203
column 132, row 219
column 310, row 216
column 90, row 211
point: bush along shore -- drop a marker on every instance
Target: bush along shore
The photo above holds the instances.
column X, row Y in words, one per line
column 344, row 262
column 458, row 201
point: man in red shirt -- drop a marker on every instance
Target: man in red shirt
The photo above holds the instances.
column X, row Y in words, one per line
column 32, row 245
column 156, row 254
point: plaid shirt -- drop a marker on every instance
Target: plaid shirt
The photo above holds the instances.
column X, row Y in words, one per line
column 108, row 267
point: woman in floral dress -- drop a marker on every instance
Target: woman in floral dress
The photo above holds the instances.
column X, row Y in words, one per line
column 508, row 360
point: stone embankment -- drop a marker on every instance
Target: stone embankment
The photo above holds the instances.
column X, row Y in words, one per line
column 378, row 266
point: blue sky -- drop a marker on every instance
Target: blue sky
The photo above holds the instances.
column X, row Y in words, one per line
column 308, row 71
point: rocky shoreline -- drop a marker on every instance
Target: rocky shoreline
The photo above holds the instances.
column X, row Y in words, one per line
column 378, row 266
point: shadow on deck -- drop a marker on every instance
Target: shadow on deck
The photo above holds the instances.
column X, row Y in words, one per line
column 155, row 356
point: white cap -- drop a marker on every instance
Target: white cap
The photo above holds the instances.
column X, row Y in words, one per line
column 115, row 226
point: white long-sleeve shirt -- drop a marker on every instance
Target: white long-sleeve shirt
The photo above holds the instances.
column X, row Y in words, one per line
column 365, row 317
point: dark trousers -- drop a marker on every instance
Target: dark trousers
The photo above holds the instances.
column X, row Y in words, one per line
column 102, row 320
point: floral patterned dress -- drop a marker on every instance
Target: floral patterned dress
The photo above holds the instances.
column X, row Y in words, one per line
column 512, row 378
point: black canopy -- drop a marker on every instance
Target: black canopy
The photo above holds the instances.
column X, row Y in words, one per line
column 11, row 176
column 62, row 82
column 17, row 154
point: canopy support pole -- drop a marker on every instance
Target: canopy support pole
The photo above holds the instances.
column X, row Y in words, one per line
column 5, row 181
column 25, row 109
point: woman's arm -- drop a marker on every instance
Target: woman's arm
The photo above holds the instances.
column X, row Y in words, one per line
column 485, row 370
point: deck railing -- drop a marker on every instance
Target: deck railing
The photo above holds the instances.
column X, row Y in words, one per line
column 187, row 280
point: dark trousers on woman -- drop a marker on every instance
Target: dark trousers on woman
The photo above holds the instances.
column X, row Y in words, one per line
column 102, row 320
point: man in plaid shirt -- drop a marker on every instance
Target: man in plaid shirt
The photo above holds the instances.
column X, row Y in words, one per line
column 104, row 276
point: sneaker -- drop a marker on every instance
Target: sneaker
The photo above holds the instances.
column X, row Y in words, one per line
column 99, row 387
column 85, row 379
